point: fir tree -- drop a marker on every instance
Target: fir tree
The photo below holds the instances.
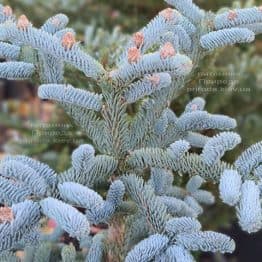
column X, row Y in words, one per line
column 138, row 143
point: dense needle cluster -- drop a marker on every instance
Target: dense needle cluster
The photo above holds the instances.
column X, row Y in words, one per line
column 118, row 200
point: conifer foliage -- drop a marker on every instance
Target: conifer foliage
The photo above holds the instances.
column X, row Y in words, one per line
column 124, row 179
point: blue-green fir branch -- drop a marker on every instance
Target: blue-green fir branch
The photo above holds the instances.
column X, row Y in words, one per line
column 115, row 193
column 55, row 23
column 256, row 28
column 193, row 164
column 157, row 157
column 41, row 253
column 26, row 217
column 43, row 170
column 258, row 171
column 12, row 193
column 230, row 187
column 192, row 203
column 198, row 103
column 154, row 157
column 178, row 149
column 161, row 124
column 9, row 51
column 149, row 204
column 52, row 68
column 178, row 207
column 177, row 192
column 68, row 253
column 71, row 95
column 151, row 34
column 179, row 65
column 137, row 230
column 141, row 122
column 206, row 241
column 82, row 157
column 188, row 26
column 161, row 180
column 203, row 197
column 101, row 169
column 31, row 238
column 52, row 45
column 176, row 252
column 29, row 253
column 216, row 147
column 185, row 42
column 16, row 70
column 249, row 159
column 8, row 256
column 201, row 120
column 238, row 17
column 249, row 210
column 6, row 14
column 116, row 131
column 114, row 198
column 80, row 195
column 96, row 250
column 91, row 124
column 54, row 236
column 180, row 225
column 59, row 34
column 18, row 171
column 226, row 37
column 67, row 217
column 192, row 195
column 188, row 9
column 170, row 37
column 97, row 210
column 196, row 139
column 194, row 183
column 147, row 86
column 147, row 249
